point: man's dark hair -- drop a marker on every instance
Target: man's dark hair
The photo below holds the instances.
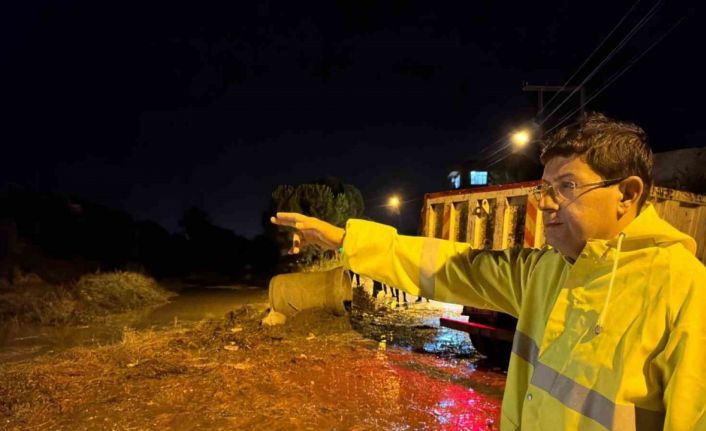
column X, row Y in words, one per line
column 612, row 148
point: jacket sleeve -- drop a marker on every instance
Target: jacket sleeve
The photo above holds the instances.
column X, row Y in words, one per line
column 438, row 269
column 682, row 363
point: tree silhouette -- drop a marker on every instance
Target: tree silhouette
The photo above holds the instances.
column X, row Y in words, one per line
column 327, row 199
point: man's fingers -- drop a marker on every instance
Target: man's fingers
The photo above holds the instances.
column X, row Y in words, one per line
column 295, row 220
column 282, row 221
column 288, row 219
column 298, row 243
column 300, row 240
column 307, row 230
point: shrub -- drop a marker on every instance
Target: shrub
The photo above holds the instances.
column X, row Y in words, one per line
column 92, row 296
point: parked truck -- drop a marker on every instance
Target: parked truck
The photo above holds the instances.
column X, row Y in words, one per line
column 502, row 216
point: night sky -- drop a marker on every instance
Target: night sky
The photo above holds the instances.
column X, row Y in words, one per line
column 153, row 107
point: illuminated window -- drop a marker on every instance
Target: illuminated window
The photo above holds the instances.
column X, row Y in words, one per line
column 455, row 179
column 479, row 178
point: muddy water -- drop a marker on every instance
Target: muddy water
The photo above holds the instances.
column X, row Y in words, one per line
column 401, row 390
column 191, row 305
column 387, row 380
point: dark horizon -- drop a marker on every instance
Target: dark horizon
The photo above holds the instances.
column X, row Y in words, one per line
column 154, row 109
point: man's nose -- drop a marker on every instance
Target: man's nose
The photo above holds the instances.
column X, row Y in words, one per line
column 547, row 203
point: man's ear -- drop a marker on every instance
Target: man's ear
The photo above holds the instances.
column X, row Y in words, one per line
column 631, row 189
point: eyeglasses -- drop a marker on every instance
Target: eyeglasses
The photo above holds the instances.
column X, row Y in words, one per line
column 566, row 190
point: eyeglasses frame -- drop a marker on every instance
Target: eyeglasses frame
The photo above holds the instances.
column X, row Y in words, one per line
column 543, row 189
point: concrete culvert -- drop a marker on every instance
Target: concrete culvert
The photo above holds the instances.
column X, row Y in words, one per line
column 291, row 293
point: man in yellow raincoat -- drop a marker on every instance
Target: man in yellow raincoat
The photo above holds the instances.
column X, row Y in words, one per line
column 611, row 329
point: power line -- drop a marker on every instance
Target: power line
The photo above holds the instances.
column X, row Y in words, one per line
column 610, row 55
column 612, row 79
column 618, row 74
column 600, row 45
column 638, row 26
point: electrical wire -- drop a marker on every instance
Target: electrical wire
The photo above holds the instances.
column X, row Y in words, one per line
column 610, row 55
column 600, row 45
column 618, row 74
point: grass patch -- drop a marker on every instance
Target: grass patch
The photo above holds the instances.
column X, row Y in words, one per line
column 320, row 265
column 32, row 300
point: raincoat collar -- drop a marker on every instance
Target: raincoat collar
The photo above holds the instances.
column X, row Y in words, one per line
column 647, row 230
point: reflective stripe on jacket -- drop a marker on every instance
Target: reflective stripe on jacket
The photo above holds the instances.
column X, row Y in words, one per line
column 645, row 369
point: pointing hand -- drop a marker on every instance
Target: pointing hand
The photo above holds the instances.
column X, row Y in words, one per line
column 310, row 231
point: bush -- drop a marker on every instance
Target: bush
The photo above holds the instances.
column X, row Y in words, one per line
column 91, row 297
column 118, row 291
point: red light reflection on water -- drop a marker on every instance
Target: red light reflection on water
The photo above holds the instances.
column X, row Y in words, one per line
column 459, row 397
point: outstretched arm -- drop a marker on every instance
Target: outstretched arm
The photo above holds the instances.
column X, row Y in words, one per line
column 437, row 269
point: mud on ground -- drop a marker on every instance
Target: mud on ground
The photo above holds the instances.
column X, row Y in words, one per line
column 315, row 373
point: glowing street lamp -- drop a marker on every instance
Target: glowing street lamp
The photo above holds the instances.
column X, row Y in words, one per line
column 520, row 138
column 394, row 202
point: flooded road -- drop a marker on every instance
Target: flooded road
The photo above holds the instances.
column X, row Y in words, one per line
column 191, row 305
column 194, row 304
column 414, row 326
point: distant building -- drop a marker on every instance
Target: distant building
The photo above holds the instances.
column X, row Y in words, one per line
column 515, row 167
column 679, row 169
column 683, row 169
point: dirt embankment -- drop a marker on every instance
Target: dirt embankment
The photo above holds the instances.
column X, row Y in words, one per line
column 32, row 300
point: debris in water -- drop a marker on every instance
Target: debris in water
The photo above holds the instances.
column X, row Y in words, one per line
column 382, row 345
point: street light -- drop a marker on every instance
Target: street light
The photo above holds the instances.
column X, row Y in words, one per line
column 393, row 204
column 520, row 138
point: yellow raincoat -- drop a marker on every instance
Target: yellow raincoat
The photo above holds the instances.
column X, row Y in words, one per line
column 583, row 358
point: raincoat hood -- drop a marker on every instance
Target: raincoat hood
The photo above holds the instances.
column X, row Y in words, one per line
column 649, row 230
